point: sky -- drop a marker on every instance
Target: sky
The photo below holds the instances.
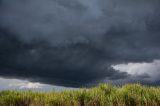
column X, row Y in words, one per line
column 23, row 85
column 47, row 44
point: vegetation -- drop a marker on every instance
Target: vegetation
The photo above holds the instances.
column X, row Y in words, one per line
column 103, row 95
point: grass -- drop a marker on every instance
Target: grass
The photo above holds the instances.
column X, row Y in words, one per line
column 102, row 95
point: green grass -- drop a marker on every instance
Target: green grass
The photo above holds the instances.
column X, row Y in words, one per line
column 102, row 95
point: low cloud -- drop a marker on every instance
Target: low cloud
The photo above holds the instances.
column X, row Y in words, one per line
column 16, row 84
column 27, row 85
column 146, row 72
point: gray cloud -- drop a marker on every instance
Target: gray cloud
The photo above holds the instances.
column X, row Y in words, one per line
column 74, row 43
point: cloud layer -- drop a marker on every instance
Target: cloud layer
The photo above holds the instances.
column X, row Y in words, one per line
column 145, row 72
column 16, row 84
column 75, row 43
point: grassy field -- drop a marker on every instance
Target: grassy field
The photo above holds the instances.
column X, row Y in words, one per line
column 102, row 95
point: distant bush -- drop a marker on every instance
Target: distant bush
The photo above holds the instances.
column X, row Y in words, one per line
column 103, row 95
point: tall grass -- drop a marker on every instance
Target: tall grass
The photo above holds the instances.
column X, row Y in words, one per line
column 103, row 95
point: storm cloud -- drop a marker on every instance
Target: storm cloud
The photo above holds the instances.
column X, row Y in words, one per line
column 76, row 42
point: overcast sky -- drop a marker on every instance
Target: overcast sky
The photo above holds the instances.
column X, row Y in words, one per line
column 78, row 43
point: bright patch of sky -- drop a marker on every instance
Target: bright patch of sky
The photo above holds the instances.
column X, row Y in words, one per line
column 17, row 84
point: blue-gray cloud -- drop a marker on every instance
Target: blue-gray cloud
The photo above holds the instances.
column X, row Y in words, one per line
column 74, row 43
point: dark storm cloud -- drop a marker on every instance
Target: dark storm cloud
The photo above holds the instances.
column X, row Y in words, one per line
column 73, row 65
column 74, row 43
